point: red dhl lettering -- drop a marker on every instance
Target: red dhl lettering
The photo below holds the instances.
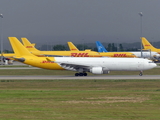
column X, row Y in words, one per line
column 29, row 46
column 147, row 45
column 79, row 55
column 47, row 62
column 120, row 55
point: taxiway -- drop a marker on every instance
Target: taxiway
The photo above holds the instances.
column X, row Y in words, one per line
column 94, row 77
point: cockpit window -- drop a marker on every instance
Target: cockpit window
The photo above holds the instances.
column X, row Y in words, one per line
column 150, row 62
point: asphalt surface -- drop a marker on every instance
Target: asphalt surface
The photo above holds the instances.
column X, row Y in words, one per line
column 53, row 77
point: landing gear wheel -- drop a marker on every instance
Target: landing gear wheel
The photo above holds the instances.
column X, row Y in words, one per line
column 140, row 74
column 85, row 74
column 80, row 74
column 76, row 74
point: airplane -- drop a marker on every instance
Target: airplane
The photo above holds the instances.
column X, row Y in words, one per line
column 104, row 54
column 147, row 45
column 95, row 65
column 35, row 51
column 145, row 54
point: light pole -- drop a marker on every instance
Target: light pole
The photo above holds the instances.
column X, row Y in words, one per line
column 141, row 32
column 1, row 15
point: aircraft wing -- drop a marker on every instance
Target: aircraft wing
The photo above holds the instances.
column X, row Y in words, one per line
column 71, row 65
column 7, row 54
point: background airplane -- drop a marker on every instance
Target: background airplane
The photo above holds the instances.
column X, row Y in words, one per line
column 95, row 65
column 147, row 45
column 74, row 53
column 107, row 54
column 146, row 54
column 35, row 51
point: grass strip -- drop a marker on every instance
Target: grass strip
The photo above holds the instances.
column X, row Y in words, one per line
column 79, row 99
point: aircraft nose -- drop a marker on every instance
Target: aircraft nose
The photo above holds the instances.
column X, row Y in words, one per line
column 154, row 65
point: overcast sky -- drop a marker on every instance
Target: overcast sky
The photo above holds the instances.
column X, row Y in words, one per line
column 80, row 21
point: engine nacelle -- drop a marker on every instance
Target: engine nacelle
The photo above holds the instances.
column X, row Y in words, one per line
column 98, row 70
column 157, row 55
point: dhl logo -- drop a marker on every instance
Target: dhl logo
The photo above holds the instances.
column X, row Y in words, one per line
column 120, row 55
column 147, row 45
column 79, row 55
column 29, row 46
column 47, row 61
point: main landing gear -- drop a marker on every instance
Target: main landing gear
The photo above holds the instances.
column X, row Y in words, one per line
column 141, row 73
column 81, row 74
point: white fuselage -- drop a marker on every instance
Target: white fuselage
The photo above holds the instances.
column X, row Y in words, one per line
column 110, row 64
column 145, row 54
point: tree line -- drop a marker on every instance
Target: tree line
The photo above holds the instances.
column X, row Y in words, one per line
column 110, row 47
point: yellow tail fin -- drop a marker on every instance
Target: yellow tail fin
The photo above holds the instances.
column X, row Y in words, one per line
column 147, row 45
column 28, row 45
column 34, row 44
column 18, row 48
column 72, row 47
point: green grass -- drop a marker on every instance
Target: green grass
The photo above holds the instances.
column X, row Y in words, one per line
column 79, row 99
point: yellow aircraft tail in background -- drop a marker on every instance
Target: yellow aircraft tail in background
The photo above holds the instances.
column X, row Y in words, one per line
column 72, row 47
column 147, row 45
column 28, row 45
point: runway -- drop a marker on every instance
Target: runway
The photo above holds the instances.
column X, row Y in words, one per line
column 67, row 77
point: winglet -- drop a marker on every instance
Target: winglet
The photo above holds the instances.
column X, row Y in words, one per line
column 100, row 47
column 72, row 47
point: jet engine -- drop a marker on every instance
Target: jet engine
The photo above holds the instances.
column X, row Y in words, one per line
column 157, row 56
column 98, row 70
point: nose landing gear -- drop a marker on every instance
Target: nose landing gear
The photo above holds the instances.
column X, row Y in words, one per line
column 141, row 73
